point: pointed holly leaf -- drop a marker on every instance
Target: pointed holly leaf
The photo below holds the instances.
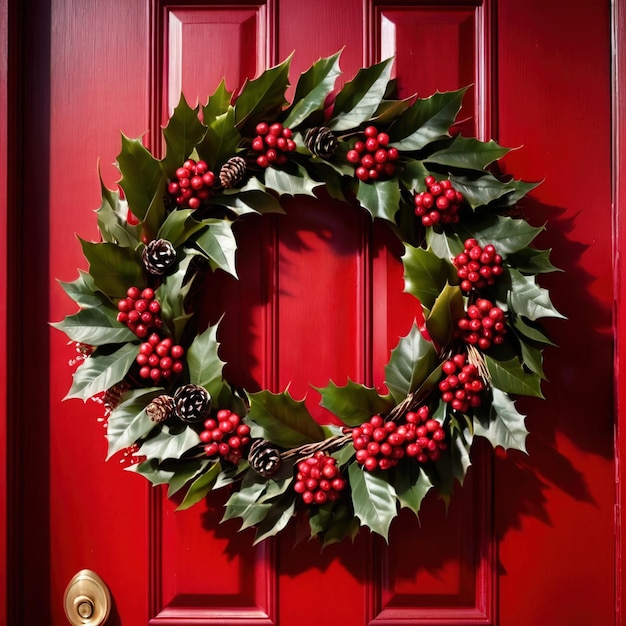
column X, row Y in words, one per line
column 390, row 110
column 262, row 98
column 200, row 487
column 113, row 269
column 250, row 202
column 412, row 175
column 277, row 519
column 179, row 226
column 507, row 234
column 468, row 153
column 447, row 309
column 84, row 291
column 246, row 504
column 373, row 498
column 481, row 190
column 173, row 290
column 94, row 327
column 446, row 245
column 354, row 404
column 321, row 518
column 425, row 275
column 128, row 422
column 205, row 366
column 380, row 198
column 168, row 445
column 284, row 183
column 530, row 331
column 220, row 141
column 151, row 470
column 532, row 261
column 219, row 245
column 183, row 132
column 532, row 358
column 217, row 104
column 112, row 220
column 520, row 189
column 99, row 372
column 312, row 89
column 283, row 420
column 528, row 299
column 426, row 120
column 360, row 98
column 411, row 362
column 344, row 524
column 452, row 466
column 184, row 472
column 505, row 426
column 510, row 377
column 411, row 485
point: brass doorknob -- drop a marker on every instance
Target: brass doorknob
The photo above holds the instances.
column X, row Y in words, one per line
column 87, row 600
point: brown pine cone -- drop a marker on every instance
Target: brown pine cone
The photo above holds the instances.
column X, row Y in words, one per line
column 321, row 141
column 158, row 256
column 264, row 458
column 160, row 409
column 192, row 403
column 232, row 172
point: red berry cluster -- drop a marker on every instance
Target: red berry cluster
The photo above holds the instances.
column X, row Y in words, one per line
column 439, row 204
column 484, row 324
column 461, row 386
column 426, row 438
column 194, row 185
column 318, row 479
column 225, row 435
column 273, row 142
column 477, row 267
column 159, row 358
column 373, row 158
column 139, row 311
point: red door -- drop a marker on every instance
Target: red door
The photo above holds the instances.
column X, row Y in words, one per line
column 527, row 540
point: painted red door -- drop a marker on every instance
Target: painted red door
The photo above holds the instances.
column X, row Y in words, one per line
column 527, row 540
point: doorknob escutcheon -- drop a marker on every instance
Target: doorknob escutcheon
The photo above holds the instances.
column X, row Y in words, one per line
column 87, row 599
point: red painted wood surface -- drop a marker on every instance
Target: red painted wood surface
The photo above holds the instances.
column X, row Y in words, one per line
column 527, row 540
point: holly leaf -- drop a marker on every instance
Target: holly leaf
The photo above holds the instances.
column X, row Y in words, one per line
column 84, row 292
column 532, row 261
column 411, row 362
column 220, row 140
column 246, row 504
column 277, row 519
column 353, row 403
column 530, row 331
column 446, row 310
column 183, row 132
column 468, row 153
column 169, row 445
column 425, row 275
column 343, row 524
column 453, row 465
column 200, row 487
column 510, row 377
column 99, row 372
column 412, row 175
column 217, row 104
column 411, row 485
column 445, row 245
column 219, row 245
column 262, row 99
column 205, row 366
column 112, row 220
column 113, row 269
column 481, row 190
column 528, row 299
column 380, row 198
column 173, row 290
column 151, row 470
column 179, row 226
column 507, row 234
column 284, row 183
column 129, row 422
column 532, row 358
column 360, row 98
column 505, row 426
column 94, row 327
column 284, row 421
column 389, row 110
column 373, row 498
column 250, row 202
column 426, row 120
column 312, row 88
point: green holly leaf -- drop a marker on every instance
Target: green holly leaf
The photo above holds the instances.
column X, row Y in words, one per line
column 284, row 421
column 360, row 98
column 344, row 524
column 280, row 514
column 468, row 153
column 520, row 189
column 129, row 422
column 528, row 299
column 200, row 487
column 183, row 131
column 205, row 366
column 179, row 226
column 447, row 309
column 532, row 358
column 411, row 362
column 220, row 141
column 321, row 518
column 390, row 110
column 263, row 98
column 411, row 485
column 184, row 472
column 284, row 183
column 530, row 331
column 99, row 372
column 380, row 198
column 425, row 275
column 507, row 234
column 95, row 327
column 426, row 120
column 312, row 88
column 170, row 445
column 412, row 175
column 246, row 504
column 84, row 292
column 510, row 377
column 242, row 202
column 112, row 268
column 481, row 190
column 353, row 403
column 112, row 220
column 446, row 245
column 532, row 261
column 504, row 426
column 217, row 104
column 143, row 182
column 373, row 498
column 172, row 292
column 152, row 471
column 219, row 245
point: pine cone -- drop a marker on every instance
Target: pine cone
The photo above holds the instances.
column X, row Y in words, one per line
column 191, row 403
column 158, row 256
column 321, row 141
column 113, row 395
column 232, row 172
column 160, row 409
column 264, row 458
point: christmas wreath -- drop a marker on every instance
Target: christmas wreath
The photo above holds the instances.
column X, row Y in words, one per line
column 467, row 259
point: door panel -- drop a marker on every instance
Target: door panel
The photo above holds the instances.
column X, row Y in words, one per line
column 320, row 296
